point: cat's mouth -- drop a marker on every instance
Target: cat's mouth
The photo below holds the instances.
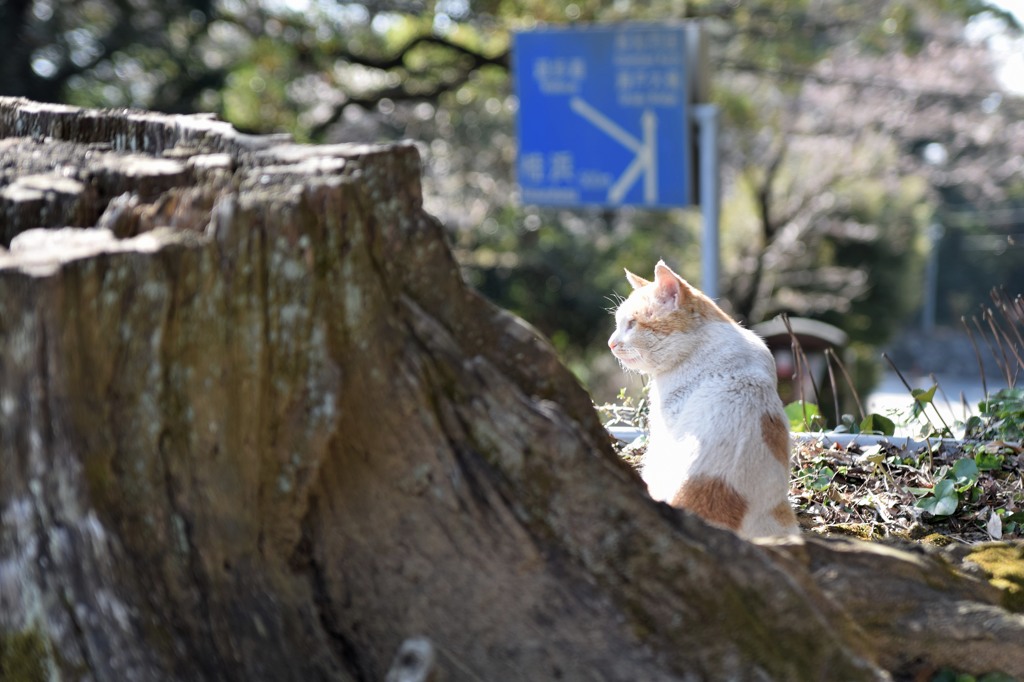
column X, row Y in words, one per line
column 626, row 357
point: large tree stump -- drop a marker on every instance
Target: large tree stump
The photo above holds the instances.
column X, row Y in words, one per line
column 254, row 426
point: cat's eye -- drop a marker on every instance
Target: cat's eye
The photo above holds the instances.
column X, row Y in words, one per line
column 630, row 324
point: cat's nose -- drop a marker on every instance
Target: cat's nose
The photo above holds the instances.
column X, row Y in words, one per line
column 612, row 343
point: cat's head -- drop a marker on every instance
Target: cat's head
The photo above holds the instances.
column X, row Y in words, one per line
column 655, row 326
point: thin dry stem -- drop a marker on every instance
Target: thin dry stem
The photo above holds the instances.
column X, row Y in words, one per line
column 992, row 350
column 942, row 392
column 832, row 382
column 849, row 382
column 1013, row 313
column 1006, row 343
column 977, row 355
column 801, row 367
column 990, row 319
column 910, row 390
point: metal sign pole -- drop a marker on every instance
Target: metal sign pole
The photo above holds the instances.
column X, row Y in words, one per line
column 706, row 117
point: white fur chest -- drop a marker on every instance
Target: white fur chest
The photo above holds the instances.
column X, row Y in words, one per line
column 670, row 454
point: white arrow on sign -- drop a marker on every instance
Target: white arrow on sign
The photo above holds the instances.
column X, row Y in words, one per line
column 646, row 160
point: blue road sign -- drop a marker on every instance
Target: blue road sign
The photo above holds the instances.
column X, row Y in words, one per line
column 603, row 116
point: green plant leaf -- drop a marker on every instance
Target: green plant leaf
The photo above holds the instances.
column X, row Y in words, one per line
column 921, row 399
column 847, row 424
column 819, row 479
column 1010, row 395
column 874, row 454
column 974, row 427
column 988, row 461
column 922, row 396
column 943, row 500
column 1016, row 517
column 801, row 415
column 1003, row 416
column 965, row 473
column 876, row 423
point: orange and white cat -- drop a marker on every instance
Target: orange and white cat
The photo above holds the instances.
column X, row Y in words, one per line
column 719, row 438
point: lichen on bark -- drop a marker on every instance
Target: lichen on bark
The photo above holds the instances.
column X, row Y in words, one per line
column 1003, row 563
column 23, row 656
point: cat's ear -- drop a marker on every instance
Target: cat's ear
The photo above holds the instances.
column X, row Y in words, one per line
column 636, row 281
column 667, row 284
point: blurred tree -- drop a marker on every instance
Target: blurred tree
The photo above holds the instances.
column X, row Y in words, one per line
column 830, row 111
column 107, row 52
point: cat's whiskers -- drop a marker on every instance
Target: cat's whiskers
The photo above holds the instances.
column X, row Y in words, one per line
column 616, row 300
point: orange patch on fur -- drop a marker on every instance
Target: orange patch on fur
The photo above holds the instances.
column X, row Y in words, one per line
column 668, row 324
column 691, row 310
column 776, row 436
column 783, row 513
column 713, row 500
column 704, row 307
column 689, row 316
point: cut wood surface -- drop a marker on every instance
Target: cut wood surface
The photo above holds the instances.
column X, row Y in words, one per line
column 254, row 426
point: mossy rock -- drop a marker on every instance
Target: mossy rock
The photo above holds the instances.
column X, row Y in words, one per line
column 861, row 531
column 23, row 657
column 938, row 540
column 1003, row 563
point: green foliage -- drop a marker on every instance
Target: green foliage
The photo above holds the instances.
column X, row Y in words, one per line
column 1012, row 522
column 922, row 398
column 872, row 424
column 965, row 474
column 804, row 416
column 942, row 500
column 876, row 423
column 627, row 411
column 1001, row 417
column 989, row 461
column 962, row 487
column 817, row 478
column 923, row 417
column 255, row 95
column 953, row 485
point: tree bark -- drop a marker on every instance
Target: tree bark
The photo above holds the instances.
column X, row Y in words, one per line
column 254, row 426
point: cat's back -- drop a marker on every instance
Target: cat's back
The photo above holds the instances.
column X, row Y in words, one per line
column 737, row 351
column 730, row 363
